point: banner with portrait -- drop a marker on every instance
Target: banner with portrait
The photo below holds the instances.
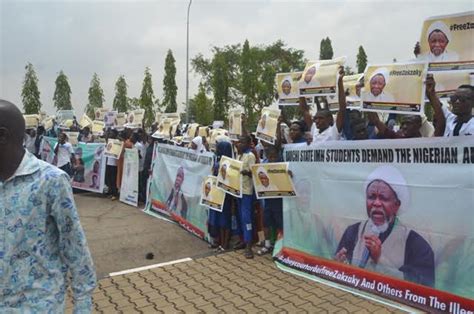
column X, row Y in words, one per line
column 114, row 148
column 31, row 121
column 175, row 186
column 129, row 188
column 371, row 215
column 267, row 125
column 229, row 178
column 397, row 88
column 446, row 42
column 235, row 123
column 320, row 77
column 211, row 196
column 272, row 180
column 88, row 168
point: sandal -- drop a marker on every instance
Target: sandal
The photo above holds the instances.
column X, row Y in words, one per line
column 264, row 250
column 220, row 249
column 213, row 245
column 248, row 254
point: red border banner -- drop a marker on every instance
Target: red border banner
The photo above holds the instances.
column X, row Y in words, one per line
column 402, row 291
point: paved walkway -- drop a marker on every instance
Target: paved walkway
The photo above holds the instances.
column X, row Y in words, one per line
column 225, row 283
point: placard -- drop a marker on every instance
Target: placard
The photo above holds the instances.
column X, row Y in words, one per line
column 229, row 178
column 235, row 123
column 447, row 42
column 211, row 196
column 320, row 77
column 267, row 125
column 397, row 88
column 272, row 180
column 114, row 148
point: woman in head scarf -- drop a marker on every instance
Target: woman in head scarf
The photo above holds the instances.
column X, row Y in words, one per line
column 219, row 223
column 197, row 145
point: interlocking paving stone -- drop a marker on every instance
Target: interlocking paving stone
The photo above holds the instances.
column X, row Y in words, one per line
column 225, row 283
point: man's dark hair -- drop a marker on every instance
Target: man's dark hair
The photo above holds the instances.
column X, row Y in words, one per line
column 301, row 125
column 467, row 86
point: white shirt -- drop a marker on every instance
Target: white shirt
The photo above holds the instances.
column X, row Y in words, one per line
column 111, row 161
column 382, row 97
column 330, row 134
column 64, row 154
column 444, row 57
column 141, row 151
column 467, row 128
column 270, row 187
column 30, row 144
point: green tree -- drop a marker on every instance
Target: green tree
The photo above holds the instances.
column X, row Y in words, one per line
column 146, row 99
column 30, row 94
column 133, row 103
column 62, row 93
column 325, row 49
column 120, row 103
column 249, row 81
column 361, row 60
column 220, row 87
column 96, row 96
column 202, row 107
column 245, row 76
column 170, row 90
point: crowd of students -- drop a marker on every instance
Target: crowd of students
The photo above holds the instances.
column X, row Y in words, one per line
column 264, row 216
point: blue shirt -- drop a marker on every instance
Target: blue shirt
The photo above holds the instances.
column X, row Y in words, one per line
column 41, row 241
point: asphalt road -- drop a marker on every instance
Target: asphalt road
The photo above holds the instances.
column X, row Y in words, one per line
column 120, row 236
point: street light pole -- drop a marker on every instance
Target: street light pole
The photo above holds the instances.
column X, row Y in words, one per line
column 187, row 63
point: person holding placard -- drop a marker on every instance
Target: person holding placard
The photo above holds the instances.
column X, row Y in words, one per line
column 273, row 207
column 459, row 121
column 220, row 222
column 245, row 204
column 111, row 169
column 411, row 124
column 322, row 128
column 64, row 152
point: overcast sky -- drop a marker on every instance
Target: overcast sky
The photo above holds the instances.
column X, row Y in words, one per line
column 113, row 38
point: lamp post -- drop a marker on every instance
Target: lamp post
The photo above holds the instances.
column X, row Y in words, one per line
column 187, row 63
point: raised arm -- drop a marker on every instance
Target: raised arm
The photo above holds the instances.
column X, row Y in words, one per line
column 342, row 100
column 439, row 119
column 304, row 108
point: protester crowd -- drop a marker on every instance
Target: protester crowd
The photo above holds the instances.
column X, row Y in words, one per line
column 252, row 216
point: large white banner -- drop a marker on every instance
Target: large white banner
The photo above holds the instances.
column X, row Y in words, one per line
column 175, row 186
column 391, row 217
column 129, row 188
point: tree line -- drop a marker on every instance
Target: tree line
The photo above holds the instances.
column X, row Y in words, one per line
column 235, row 75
